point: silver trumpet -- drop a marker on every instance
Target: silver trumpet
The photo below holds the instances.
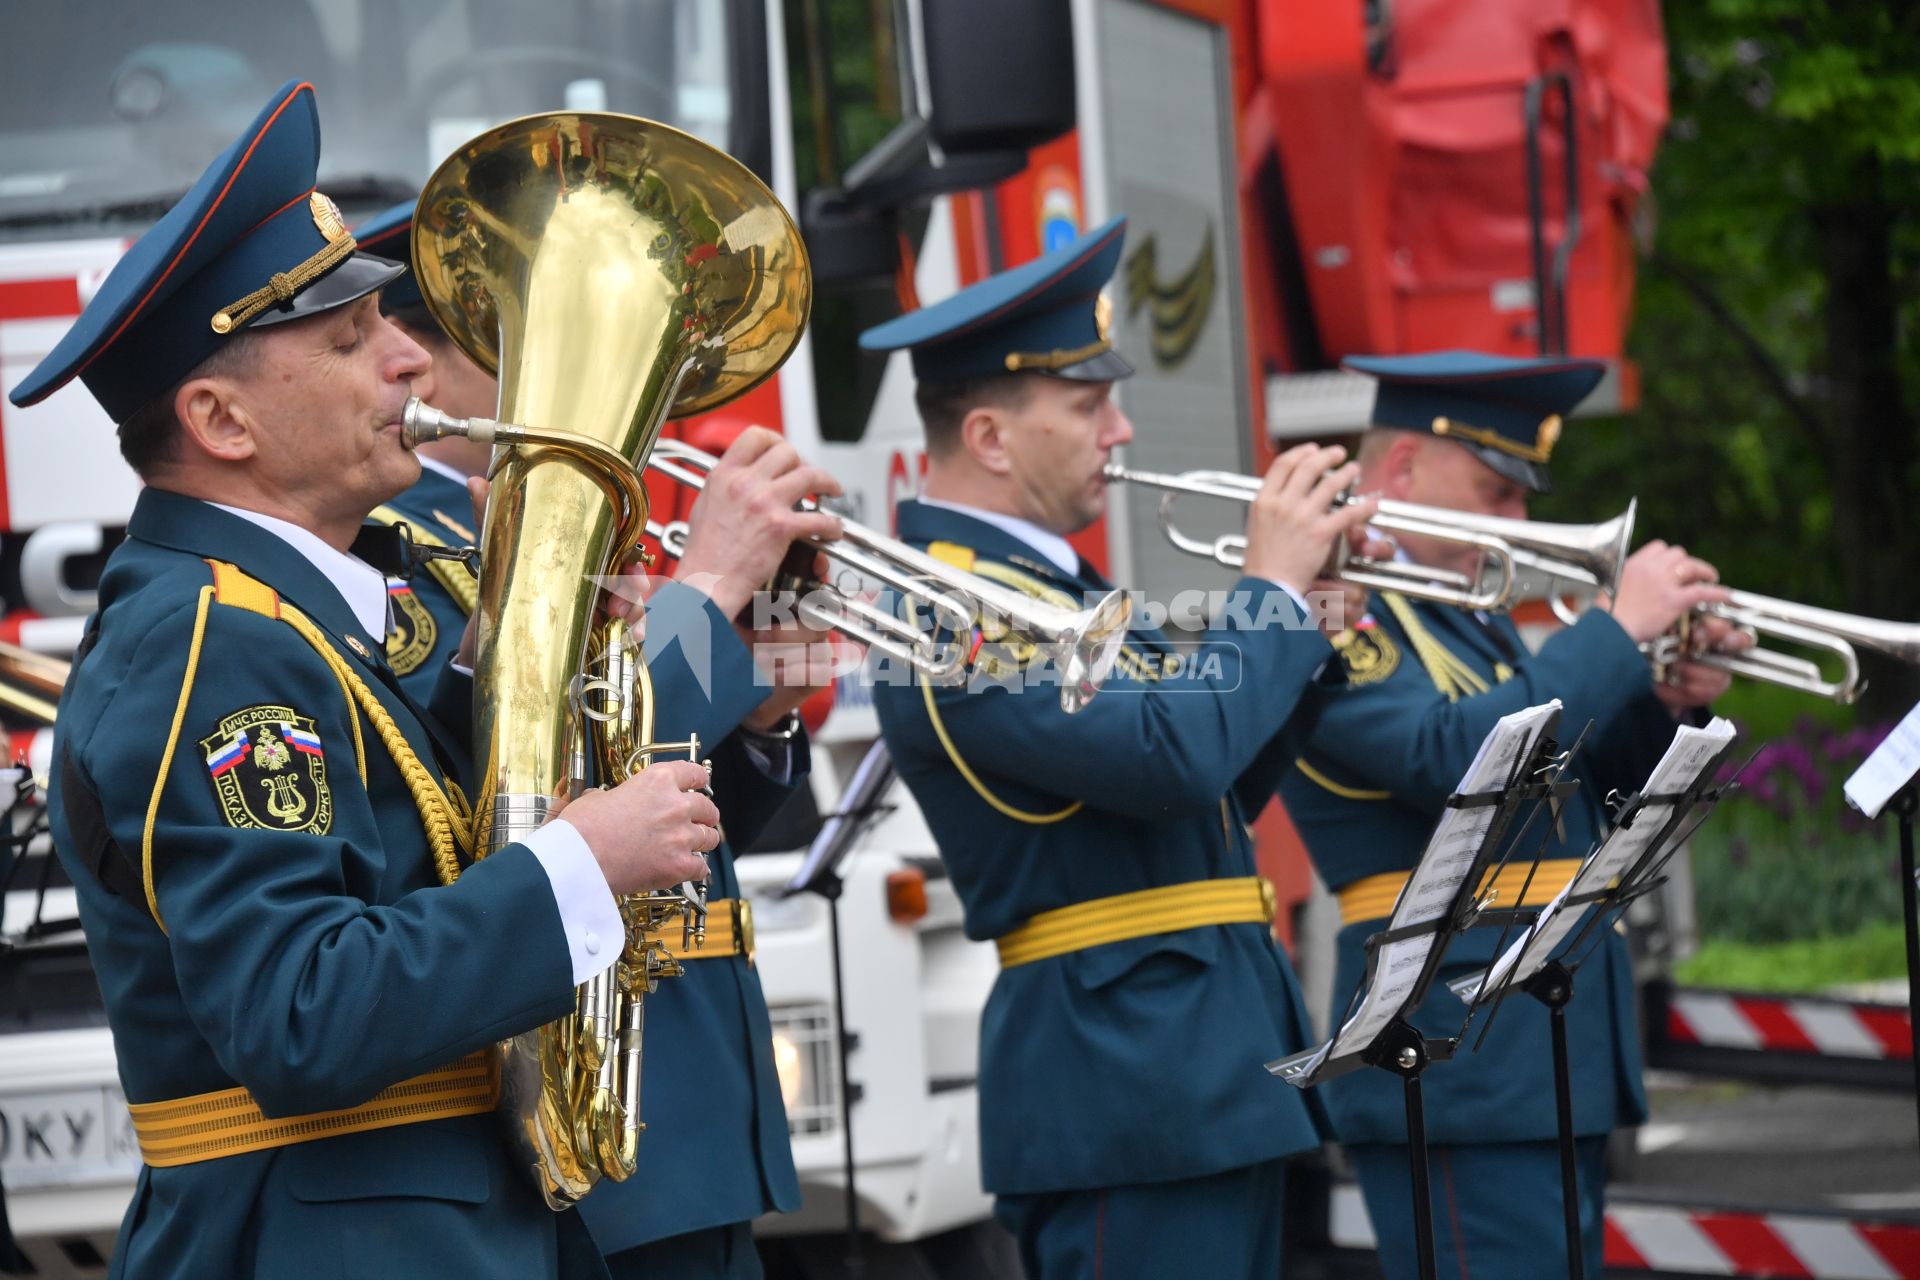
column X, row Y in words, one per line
column 1839, row 635
column 1517, row 557
column 1081, row 643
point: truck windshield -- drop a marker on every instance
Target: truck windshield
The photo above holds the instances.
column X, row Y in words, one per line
column 110, row 110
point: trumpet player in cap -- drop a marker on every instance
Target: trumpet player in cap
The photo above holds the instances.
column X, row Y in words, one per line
column 1424, row 685
column 1106, row 853
column 303, row 969
column 711, row 1102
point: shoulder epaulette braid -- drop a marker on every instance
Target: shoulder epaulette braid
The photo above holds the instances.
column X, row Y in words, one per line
column 1450, row 675
column 964, row 558
column 444, row 814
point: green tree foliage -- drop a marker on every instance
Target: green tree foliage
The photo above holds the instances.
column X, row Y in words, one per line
column 1776, row 312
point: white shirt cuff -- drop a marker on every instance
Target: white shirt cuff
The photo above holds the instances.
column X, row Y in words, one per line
column 595, row 932
column 1292, row 595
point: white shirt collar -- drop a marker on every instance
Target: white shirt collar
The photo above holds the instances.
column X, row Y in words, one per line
column 1045, row 541
column 434, row 464
column 359, row 583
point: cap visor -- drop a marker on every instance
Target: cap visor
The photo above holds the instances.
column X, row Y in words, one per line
column 355, row 278
column 1108, row 366
column 1528, row 475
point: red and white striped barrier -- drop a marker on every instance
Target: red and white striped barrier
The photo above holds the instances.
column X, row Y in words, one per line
column 1673, row 1240
column 1788, row 1024
column 1677, row 1241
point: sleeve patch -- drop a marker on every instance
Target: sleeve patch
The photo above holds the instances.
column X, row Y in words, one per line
column 1369, row 654
column 269, row 770
column 413, row 632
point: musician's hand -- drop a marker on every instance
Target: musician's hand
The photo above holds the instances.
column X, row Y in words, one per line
column 1338, row 604
column 742, row 524
column 1658, row 584
column 651, row 830
column 477, row 487
column 1292, row 522
column 1689, row 684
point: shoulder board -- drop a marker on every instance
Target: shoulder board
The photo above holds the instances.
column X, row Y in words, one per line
column 952, row 553
column 231, row 586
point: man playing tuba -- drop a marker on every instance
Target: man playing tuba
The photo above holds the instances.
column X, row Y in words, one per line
column 303, row 971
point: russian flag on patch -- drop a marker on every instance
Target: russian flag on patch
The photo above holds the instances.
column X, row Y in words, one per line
column 225, row 758
column 398, row 586
column 300, row 740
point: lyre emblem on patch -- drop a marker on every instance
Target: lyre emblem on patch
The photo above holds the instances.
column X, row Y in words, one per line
column 411, row 630
column 269, row 771
column 1368, row 653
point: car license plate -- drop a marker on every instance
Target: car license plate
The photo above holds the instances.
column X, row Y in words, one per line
column 66, row 1137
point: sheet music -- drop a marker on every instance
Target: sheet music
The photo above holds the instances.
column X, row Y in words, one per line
column 1690, row 754
column 1430, row 890
column 1890, row 767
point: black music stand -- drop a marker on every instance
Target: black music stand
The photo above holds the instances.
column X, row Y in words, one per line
column 1886, row 780
column 1398, row 1046
column 1905, row 803
column 1648, row 829
column 861, row 805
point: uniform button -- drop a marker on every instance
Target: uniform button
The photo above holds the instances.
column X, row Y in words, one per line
column 592, row 943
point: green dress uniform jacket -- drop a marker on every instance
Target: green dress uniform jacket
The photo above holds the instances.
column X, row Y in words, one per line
column 710, row 1096
column 1366, row 794
column 308, row 952
column 1138, row 1060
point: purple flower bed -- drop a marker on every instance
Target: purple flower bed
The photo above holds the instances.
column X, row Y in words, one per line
column 1784, row 856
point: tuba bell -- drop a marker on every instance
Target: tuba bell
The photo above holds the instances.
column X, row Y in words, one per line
column 613, row 272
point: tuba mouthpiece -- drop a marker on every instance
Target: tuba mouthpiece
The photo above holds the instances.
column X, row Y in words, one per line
column 421, row 423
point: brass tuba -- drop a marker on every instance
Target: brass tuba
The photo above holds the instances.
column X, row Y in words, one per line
column 613, row 271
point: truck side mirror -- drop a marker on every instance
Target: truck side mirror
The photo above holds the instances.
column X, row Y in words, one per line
column 846, row 243
column 999, row 73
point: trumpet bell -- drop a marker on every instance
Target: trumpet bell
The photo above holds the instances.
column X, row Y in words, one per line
column 1086, row 650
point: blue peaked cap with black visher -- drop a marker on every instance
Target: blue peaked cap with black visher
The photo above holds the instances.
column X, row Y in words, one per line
column 1044, row 316
column 389, row 234
column 1508, row 410
column 253, row 243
